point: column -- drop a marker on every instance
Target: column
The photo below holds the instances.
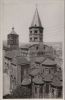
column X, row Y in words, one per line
column 33, row 90
column 38, row 91
column 55, row 93
column 43, row 90
column 50, row 91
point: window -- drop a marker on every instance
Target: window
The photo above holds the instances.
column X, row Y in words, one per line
column 30, row 31
column 5, row 62
column 44, row 47
column 37, row 48
column 35, row 31
column 49, row 71
column 40, row 39
column 40, row 31
column 30, row 39
column 35, row 38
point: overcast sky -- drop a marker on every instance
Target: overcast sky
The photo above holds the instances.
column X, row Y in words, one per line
column 19, row 13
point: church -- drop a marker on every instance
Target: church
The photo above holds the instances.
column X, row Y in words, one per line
column 33, row 65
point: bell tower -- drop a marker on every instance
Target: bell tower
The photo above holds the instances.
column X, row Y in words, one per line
column 36, row 29
column 13, row 39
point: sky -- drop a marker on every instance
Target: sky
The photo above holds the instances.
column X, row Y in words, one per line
column 19, row 14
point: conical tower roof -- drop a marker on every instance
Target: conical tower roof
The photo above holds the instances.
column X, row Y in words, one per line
column 36, row 19
column 13, row 31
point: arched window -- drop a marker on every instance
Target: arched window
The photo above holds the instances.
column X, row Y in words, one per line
column 30, row 31
column 5, row 62
column 30, row 39
column 40, row 31
column 35, row 31
column 35, row 38
column 37, row 48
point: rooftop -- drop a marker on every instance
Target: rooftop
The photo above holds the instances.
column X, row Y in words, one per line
column 9, row 54
column 20, row 61
column 38, row 80
column 59, row 75
column 56, row 82
column 47, row 78
column 40, row 59
column 49, row 61
column 26, row 81
column 36, row 20
column 35, row 72
column 12, row 53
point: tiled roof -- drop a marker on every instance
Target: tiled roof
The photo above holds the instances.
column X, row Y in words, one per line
column 26, row 81
column 59, row 75
column 33, row 67
column 25, row 46
column 6, row 48
column 56, row 82
column 13, row 53
column 39, row 59
column 48, row 77
column 9, row 54
column 34, row 72
column 49, row 61
column 20, row 61
column 38, row 80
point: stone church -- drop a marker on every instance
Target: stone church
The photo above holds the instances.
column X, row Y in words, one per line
column 33, row 64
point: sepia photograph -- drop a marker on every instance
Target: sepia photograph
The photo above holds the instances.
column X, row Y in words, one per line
column 32, row 33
